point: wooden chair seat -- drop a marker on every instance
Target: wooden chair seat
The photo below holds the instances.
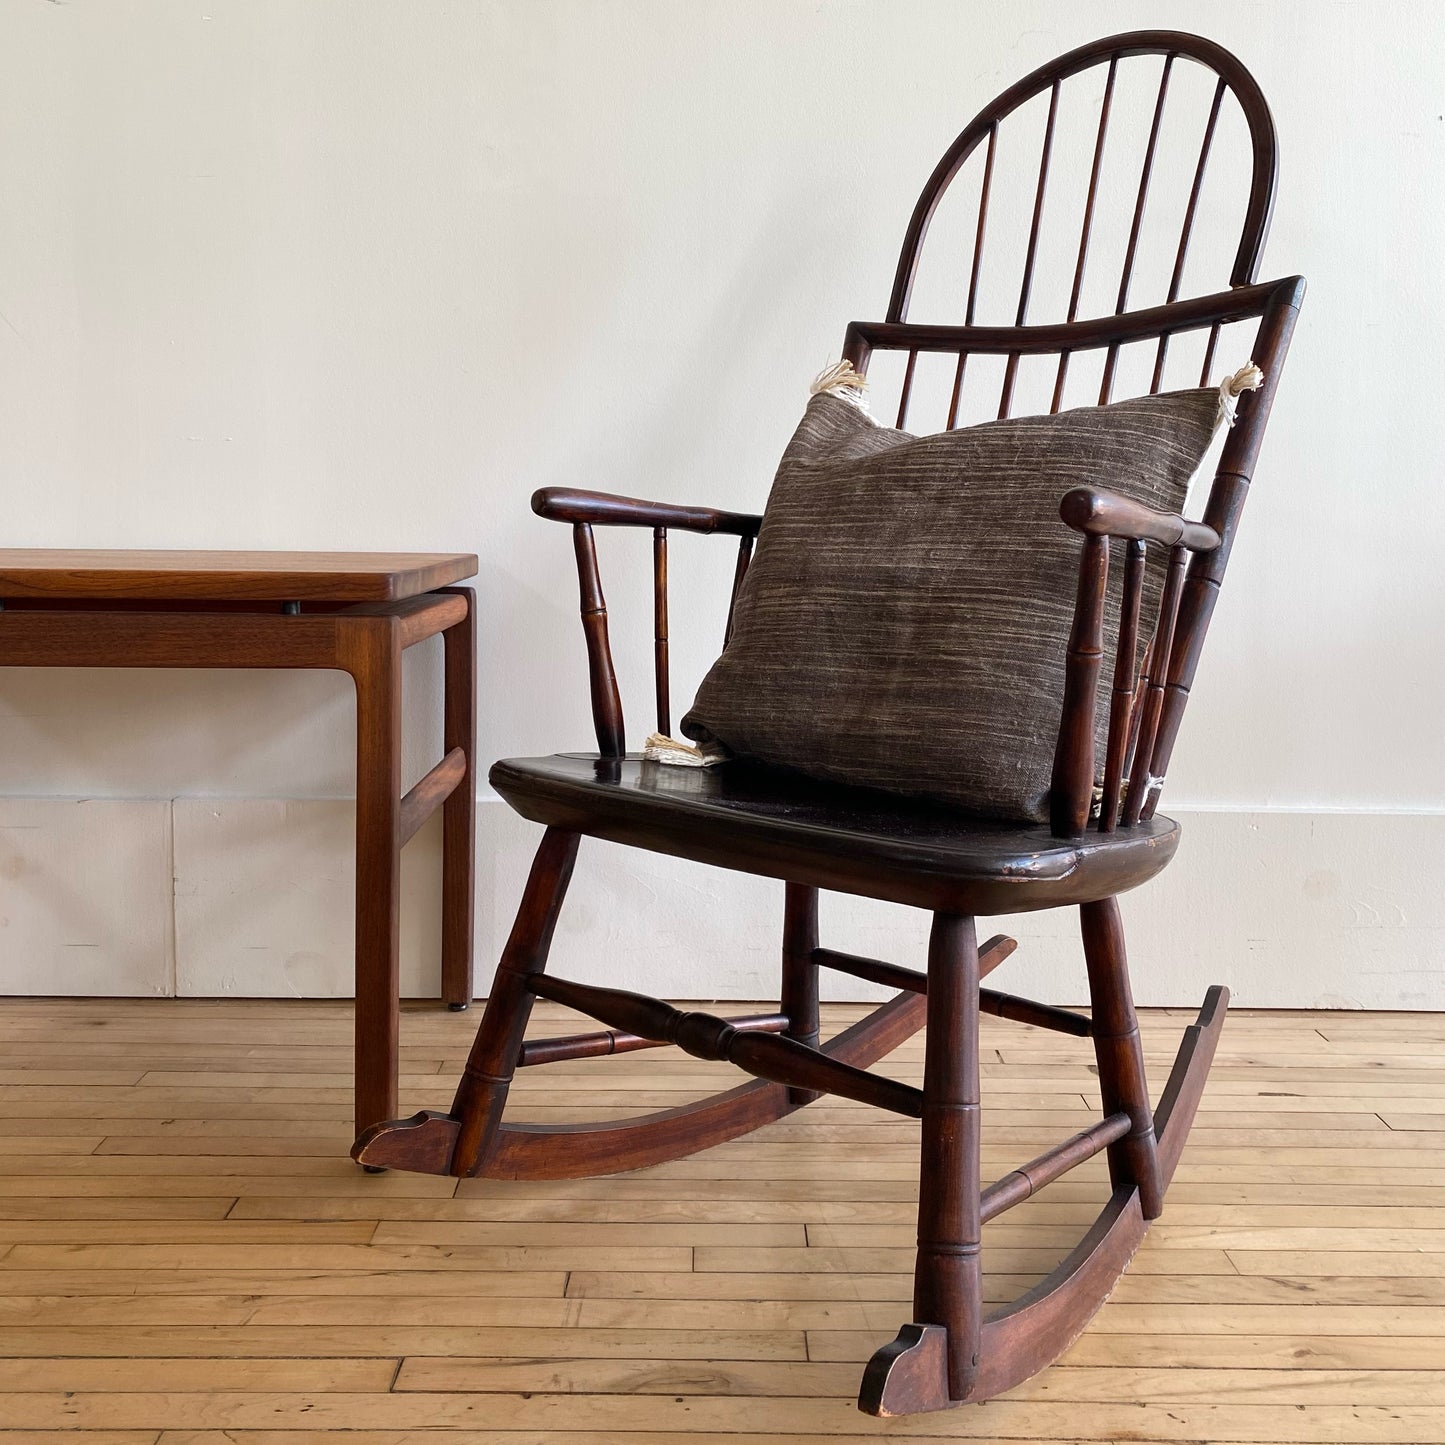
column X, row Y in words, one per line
column 853, row 840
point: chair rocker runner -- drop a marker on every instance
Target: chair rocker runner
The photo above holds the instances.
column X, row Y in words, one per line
column 822, row 836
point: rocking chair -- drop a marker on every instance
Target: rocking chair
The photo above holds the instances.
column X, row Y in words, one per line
column 815, row 835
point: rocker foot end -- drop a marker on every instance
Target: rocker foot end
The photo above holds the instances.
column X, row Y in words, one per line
column 1180, row 1100
column 422, row 1144
column 909, row 1375
column 373, row 1169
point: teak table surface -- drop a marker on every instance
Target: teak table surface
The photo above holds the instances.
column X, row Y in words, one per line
column 229, row 576
column 355, row 612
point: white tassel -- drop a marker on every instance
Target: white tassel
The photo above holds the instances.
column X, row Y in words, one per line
column 659, row 748
column 1247, row 378
column 842, row 381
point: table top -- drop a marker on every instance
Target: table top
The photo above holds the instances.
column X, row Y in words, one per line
column 229, row 576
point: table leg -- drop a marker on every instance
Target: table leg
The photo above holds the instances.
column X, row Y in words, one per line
column 459, row 810
column 372, row 646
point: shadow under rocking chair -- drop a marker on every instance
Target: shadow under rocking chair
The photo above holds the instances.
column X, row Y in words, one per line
column 816, row 835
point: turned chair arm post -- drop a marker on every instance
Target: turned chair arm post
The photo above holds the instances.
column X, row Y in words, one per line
column 606, row 697
column 583, row 510
column 1100, row 515
column 1071, row 789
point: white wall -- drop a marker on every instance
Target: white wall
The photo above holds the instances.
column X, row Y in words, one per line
column 298, row 273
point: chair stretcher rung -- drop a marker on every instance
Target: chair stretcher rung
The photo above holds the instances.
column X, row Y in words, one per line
column 1026, row 1011
column 1029, row 1178
column 610, row 1041
column 764, row 1055
column 891, row 975
column 871, row 970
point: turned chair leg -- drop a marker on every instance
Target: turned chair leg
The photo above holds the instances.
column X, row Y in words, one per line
column 947, row 1280
column 1133, row 1160
column 482, row 1092
column 459, row 810
column 799, row 995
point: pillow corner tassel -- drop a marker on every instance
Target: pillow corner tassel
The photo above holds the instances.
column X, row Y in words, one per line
column 1248, row 378
column 843, row 381
column 659, row 748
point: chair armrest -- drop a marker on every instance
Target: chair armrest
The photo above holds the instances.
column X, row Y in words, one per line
column 566, row 504
column 1107, row 514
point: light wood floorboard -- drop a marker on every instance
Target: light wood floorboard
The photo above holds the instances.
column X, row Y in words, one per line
column 187, row 1256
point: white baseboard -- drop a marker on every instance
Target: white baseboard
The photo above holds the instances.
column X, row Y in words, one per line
column 248, row 897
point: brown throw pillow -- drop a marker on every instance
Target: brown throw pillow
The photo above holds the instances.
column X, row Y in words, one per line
column 904, row 623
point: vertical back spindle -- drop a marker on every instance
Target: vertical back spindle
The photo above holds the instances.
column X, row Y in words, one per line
column 1136, row 711
column 1141, row 773
column 1112, row 357
column 1209, row 347
column 1176, row 278
column 1087, row 226
column 974, row 265
column 1031, row 252
column 907, row 390
column 1121, row 703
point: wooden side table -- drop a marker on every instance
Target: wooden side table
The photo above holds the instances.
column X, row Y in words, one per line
column 354, row 611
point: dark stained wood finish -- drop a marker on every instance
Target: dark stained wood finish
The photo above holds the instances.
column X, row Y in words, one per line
column 616, row 1041
column 482, row 1090
column 814, row 835
column 805, row 1069
column 235, row 576
column 1115, row 1032
column 426, row 1142
column 1142, row 779
column 948, row 1274
column 1106, row 514
column 606, row 698
column 1027, row 1011
column 1026, row 1181
column 740, row 571
column 661, row 669
column 910, row 1374
column 602, row 509
column 1121, row 702
column 1072, row 784
column 798, row 994
column 186, row 609
column 891, row 975
column 821, row 836
column 1254, row 224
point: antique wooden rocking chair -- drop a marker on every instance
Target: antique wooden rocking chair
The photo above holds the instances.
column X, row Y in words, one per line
column 826, row 836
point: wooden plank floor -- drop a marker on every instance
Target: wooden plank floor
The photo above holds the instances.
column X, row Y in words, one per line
column 188, row 1257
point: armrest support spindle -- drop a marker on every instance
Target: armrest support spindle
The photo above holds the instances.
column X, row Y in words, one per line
column 745, row 555
column 1141, row 779
column 606, row 699
column 1121, row 704
column 660, row 668
column 1072, row 787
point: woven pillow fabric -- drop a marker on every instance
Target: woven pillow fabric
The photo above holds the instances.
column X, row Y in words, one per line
column 904, row 622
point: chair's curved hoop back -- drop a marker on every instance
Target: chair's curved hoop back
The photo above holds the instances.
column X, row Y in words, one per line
column 1159, row 698
column 983, row 130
